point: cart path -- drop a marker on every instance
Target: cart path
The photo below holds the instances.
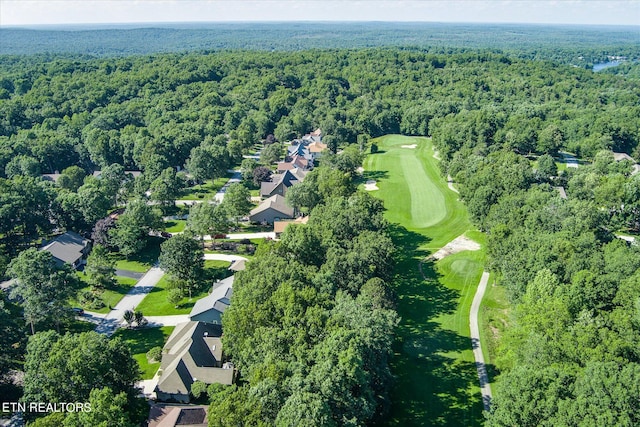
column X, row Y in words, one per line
column 485, row 387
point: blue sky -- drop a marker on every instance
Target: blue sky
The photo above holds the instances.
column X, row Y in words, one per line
column 36, row 12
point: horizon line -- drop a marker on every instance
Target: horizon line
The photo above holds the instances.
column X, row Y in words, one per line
column 148, row 24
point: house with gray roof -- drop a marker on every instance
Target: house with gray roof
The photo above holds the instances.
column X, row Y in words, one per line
column 68, row 248
column 192, row 353
column 278, row 184
column 272, row 209
column 210, row 308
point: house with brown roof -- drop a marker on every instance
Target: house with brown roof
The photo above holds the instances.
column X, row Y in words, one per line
column 68, row 248
column 316, row 149
column 293, row 162
column 163, row 415
column 280, row 226
column 272, row 209
column 192, row 353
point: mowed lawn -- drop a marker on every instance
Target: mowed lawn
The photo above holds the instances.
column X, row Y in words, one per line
column 142, row 340
column 436, row 380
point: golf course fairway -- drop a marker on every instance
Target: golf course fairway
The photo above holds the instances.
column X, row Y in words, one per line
column 436, row 382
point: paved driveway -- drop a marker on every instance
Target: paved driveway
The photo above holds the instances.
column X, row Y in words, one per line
column 130, row 301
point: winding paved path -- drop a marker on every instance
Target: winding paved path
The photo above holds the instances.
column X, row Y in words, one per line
column 485, row 387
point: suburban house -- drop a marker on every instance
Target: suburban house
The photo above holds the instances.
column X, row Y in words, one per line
column 316, row 149
column 192, row 353
column 162, row 415
column 278, row 184
column 280, row 226
column 293, row 162
column 315, row 136
column 298, row 148
column 132, row 174
column 68, row 248
column 272, row 209
column 210, row 308
column 53, row 177
column 237, row 265
column 618, row 157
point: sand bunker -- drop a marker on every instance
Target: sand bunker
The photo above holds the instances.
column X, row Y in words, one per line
column 360, row 170
column 436, row 154
column 370, row 185
column 459, row 244
column 412, row 146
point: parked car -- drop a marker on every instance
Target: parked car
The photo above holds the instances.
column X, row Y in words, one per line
column 78, row 311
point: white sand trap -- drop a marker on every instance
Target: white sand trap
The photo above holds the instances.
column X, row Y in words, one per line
column 370, row 185
column 436, row 155
column 360, row 170
column 412, row 146
column 459, row 244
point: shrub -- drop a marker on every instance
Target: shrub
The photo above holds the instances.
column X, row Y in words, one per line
column 155, row 354
column 198, row 388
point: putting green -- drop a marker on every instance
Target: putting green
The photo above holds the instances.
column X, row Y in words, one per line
column 436, row 380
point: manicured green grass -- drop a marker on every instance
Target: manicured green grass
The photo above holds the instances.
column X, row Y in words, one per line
column 436, row 378
column 156, row 304
column 175, row 225
column 210, row 263
column 205, row 191
column 142, row 261
column 110, row 296
column 142, row 340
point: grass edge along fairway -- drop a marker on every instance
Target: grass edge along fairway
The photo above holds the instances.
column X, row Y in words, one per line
column 436, row 379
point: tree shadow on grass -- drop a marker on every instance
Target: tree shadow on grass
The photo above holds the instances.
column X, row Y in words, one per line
column 431, row 386
column 141, row 340
column 370, row 175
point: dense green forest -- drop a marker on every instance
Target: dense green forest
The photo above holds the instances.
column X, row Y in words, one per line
column 582, row 46
column 569, row 355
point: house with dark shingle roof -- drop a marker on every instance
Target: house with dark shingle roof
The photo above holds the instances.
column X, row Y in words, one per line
column 163, row 415
column 192, row 353
column 278, row 184
column 272, row 209
column 68, row 248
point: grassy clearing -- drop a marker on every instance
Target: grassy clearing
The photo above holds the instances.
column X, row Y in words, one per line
column 215, row 264
column 205, row 191
column 142, row 340
column 143, row 261
column 156, row 304
column 175, row 225
column 436, row 379
column 110, row 296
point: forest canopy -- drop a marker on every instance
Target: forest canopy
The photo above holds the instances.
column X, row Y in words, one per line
column 498, row 121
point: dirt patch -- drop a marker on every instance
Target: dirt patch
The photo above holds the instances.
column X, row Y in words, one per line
column 412, row 146
column 459, row 244
column 370, row 185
